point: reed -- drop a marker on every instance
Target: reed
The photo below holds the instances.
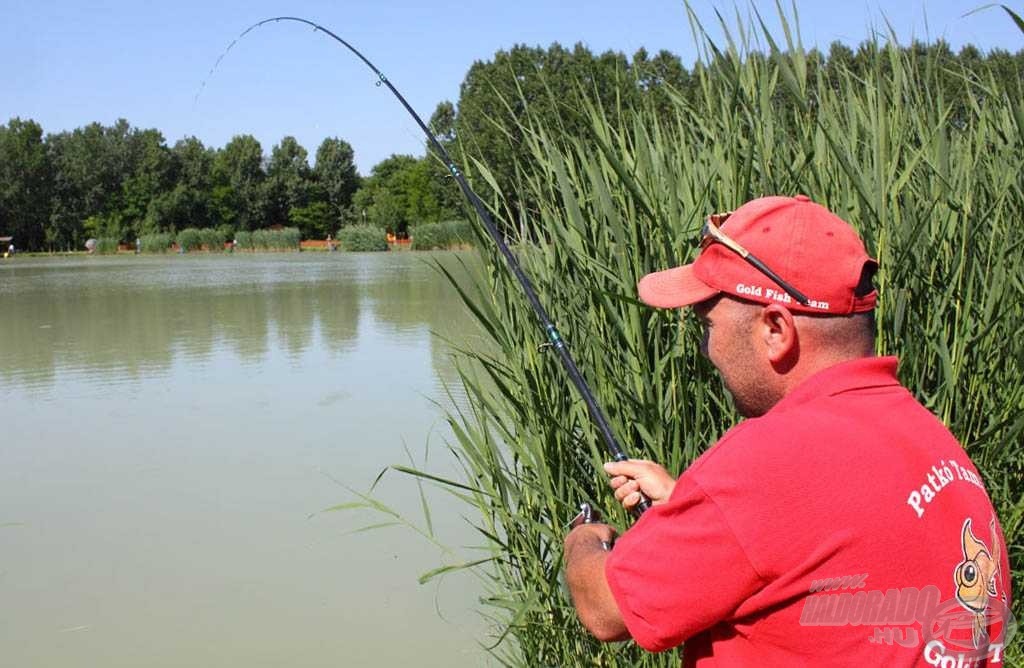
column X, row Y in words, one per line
column 190, row 239
column 212, row 239
column 106, row 246
column 285, row 239
column 243, row 240
column 155, row 243
column 450, row 234
column 937, row 202
column 362, row 238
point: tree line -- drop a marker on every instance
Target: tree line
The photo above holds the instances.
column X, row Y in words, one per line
column 120, row 181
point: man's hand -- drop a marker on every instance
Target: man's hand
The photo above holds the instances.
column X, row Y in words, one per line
column 584, row 557
column 632, row 476
column 586, row 537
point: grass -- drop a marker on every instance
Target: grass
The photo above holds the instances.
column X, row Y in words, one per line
column 938, row 203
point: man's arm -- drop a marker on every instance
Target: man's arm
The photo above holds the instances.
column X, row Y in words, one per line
column 585, row 556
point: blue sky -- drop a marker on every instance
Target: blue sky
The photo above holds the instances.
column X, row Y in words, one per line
column 65, row 64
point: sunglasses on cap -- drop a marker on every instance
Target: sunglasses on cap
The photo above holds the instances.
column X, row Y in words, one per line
column 711, row 233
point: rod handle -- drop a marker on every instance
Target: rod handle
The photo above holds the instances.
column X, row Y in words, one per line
column 644, row 504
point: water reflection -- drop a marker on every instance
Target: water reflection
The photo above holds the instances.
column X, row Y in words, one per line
column 123, row 319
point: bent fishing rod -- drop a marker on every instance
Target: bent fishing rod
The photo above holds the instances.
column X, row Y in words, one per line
column 554, row 338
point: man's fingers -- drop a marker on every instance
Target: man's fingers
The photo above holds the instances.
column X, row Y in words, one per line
column 634, row 468
column 628, row 498
column 624, row 490
column 632, row 476
column 630, row 468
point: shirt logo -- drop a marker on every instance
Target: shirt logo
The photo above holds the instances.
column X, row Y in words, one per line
column 975, row 577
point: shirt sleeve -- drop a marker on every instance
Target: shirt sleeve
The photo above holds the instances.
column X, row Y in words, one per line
column 679, row 570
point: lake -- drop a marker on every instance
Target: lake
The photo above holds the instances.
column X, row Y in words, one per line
column 171, row 428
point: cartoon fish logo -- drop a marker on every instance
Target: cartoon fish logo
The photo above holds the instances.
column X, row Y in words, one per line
column 975, row 577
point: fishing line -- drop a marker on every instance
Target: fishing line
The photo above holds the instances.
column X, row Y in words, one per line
column 555, row 340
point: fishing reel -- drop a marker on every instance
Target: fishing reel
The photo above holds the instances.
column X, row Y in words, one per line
column 588, row 515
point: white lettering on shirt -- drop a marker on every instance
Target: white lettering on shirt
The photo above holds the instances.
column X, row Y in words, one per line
column 936, row 479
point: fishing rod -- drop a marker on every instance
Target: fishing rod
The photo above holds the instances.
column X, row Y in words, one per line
column 554, row 338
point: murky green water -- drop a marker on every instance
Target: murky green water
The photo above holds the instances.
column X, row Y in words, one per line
column 170, row 428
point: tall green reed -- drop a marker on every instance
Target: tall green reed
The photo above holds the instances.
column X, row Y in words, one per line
column 106, row 246
column 158, row 242
column 362, row 238
column 190, row 239
column 937, row 202
column 449, row 234
column 285, row 239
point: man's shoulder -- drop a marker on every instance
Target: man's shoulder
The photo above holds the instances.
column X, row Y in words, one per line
column 766, row 432
column 870, row 421
column 745, row 443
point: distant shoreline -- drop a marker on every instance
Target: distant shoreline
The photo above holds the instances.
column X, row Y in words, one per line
column 314, row 246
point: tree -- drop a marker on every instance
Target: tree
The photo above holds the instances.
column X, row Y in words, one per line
column 443, row 186
column 494, row 100
column 90, row 165
column 108, row 175
column 838, row 64
column 190, row 202
column 530, row 86
column 425, row 192
column 403, row 191
column 442, row 123
column 1007, row 70
column 26, row 183
column 193, row 164
column 149, row 174
column 382, row 200
column 238, row 177
column 656, row 77
column 315, row 221
column 289, row 180
column 335, row 173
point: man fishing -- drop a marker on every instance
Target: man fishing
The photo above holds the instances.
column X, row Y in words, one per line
column 833, row 524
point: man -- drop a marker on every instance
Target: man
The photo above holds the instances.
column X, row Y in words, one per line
column 840, row 523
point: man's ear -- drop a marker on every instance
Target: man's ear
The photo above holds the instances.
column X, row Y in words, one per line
column 778, row 333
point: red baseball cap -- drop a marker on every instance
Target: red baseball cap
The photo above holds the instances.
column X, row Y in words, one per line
column 804, row 243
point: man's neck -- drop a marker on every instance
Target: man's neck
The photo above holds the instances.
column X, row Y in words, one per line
column 810, row 365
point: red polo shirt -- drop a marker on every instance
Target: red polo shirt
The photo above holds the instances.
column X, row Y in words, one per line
column 830, row 530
